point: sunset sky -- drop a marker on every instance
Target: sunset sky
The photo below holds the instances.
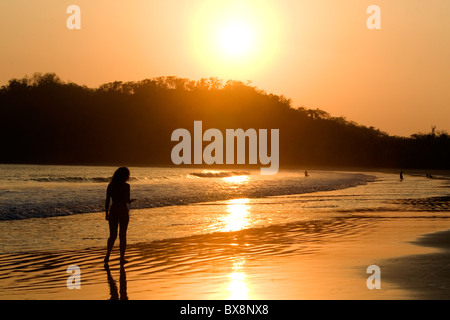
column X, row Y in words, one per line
column 319, row 53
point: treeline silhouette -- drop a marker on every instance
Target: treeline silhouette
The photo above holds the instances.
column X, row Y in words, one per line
column 47, row 121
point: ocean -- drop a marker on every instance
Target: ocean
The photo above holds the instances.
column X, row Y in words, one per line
column 61, row 207
column 35, row 191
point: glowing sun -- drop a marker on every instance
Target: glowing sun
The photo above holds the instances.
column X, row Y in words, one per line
column 235, row 39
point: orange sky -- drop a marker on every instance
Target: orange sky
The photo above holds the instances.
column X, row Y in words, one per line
column 319, row 53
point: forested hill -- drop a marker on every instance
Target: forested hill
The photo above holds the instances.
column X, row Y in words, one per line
column 47, row 121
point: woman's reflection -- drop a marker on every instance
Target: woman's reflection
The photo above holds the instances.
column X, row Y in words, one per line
column 114, row 292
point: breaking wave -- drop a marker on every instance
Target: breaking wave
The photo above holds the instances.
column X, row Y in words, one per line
column 26, row 191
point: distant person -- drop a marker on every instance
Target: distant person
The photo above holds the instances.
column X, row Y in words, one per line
column 306, row 173
column 401, row 175
column 117, row 215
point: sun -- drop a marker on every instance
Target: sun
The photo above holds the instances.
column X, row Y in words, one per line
column 235, row 39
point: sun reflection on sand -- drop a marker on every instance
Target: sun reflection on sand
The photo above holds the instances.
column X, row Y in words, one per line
column 237, row 286
column 237, row 218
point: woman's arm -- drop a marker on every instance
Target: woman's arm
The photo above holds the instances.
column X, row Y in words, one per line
column 129, row 200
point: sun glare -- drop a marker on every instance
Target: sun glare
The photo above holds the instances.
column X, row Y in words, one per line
column 238, row 211
column 241, row 179
column 235, row 39
column 237, row 286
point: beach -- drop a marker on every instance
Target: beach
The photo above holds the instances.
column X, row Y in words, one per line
column 314, row 260
column 317, row 245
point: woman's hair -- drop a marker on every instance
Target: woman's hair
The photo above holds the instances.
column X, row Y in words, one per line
column 121, row 175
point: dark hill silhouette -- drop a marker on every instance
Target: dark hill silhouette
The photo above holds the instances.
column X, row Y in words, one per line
column 47, row 121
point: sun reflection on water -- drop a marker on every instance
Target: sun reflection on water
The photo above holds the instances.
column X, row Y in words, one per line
column 241, row 179
column 237, row 218
column 237, row 286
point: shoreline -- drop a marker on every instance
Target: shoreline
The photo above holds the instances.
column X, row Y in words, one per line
column 354, row 169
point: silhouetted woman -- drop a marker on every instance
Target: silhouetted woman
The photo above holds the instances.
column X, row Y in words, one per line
column 117, row 215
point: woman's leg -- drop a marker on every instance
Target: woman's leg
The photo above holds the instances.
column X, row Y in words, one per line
column 113, row 224
column 123, row 223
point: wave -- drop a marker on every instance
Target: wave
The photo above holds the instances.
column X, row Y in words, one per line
column 71, row 179
column 163, row 189
column 76, row 179
column 219, row 174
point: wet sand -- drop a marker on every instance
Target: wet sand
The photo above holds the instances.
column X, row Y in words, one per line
column 426, row 276
column 314, row 259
